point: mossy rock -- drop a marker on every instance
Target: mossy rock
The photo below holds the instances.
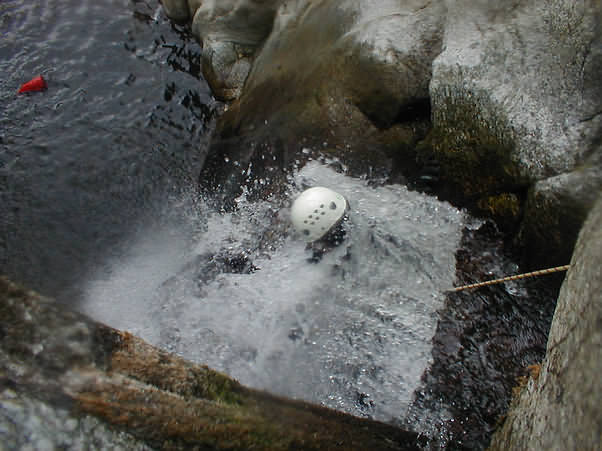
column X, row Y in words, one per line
column 505, row 207
column 475, row 155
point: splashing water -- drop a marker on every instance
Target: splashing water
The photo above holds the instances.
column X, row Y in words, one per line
column 352, row 331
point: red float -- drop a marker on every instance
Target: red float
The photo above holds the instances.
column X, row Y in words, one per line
column 36, row 84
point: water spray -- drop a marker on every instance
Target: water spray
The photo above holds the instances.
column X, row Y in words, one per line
column 540, row 272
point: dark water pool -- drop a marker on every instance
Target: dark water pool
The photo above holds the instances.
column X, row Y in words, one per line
column 486, row 340
column 118, row 130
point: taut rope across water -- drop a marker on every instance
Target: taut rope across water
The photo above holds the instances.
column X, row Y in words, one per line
column 540, row 272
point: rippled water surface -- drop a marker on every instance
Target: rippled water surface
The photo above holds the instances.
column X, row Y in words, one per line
column 117, row 131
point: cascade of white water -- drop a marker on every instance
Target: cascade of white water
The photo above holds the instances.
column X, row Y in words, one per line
column 352, row 331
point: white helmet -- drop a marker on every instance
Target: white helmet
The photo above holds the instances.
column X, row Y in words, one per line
column 316, row 211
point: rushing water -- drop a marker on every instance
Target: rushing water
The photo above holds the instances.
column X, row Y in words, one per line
column 98, row 207
column 352, row 331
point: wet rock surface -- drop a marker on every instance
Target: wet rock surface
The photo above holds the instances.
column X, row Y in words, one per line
column 355, row 88
column 500, row 98
column 28, row 423
column 560, row 406
column 231, row 32
column 516, row 99
column 63, row 359
column 555, row 209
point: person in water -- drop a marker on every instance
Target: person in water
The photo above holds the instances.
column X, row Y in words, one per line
column 319, row 215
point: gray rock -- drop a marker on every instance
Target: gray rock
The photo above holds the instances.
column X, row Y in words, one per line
column 349, row 78
column 30, row 424
column 379, row 51
column 562, row 408
column 556, row 208
column 517, row 102
column 513, row 94
column 387, row 45
column 177, row 10
column 529, row 72
column 230, row 32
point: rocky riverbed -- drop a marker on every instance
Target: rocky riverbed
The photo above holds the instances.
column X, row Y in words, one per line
column 471, row 123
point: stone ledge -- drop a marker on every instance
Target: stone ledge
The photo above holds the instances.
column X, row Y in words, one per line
column 66, row 360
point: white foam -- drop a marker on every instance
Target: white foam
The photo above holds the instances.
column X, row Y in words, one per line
column 352, row 331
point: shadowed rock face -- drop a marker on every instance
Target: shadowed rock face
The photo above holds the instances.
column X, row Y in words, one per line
column 504, row 101
column 177, row 10
column 556, row 207
column 355, row 88
column 561, row 407
column 516, row 96
column 231, row 31
column 52, row 359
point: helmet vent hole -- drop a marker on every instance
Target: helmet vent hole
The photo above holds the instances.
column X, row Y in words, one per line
column 315, row 211
column 309, row 216
column 333, row 206
column 305, row 232
column 321, row 205
column 305, row 222
column 312, row 223
column 323, row 213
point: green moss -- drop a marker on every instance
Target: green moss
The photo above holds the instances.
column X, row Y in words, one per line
column 218, row 387
column 475, row 154
column 476, row 157
column 505, row 207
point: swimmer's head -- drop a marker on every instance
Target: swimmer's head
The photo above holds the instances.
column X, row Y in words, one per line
column 316, row 212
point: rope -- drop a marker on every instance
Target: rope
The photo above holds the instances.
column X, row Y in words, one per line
column 540, row 272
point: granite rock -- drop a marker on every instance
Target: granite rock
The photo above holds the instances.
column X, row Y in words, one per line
column 517, row 101
column 561, row 407
column 504, row 100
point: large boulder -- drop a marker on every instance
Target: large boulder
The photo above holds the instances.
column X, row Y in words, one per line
column 528, row 74
column 562, row 408
column 347, row 78
column 517, row 96
column 504, row 100
column 555, row 210
column 231, row 31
